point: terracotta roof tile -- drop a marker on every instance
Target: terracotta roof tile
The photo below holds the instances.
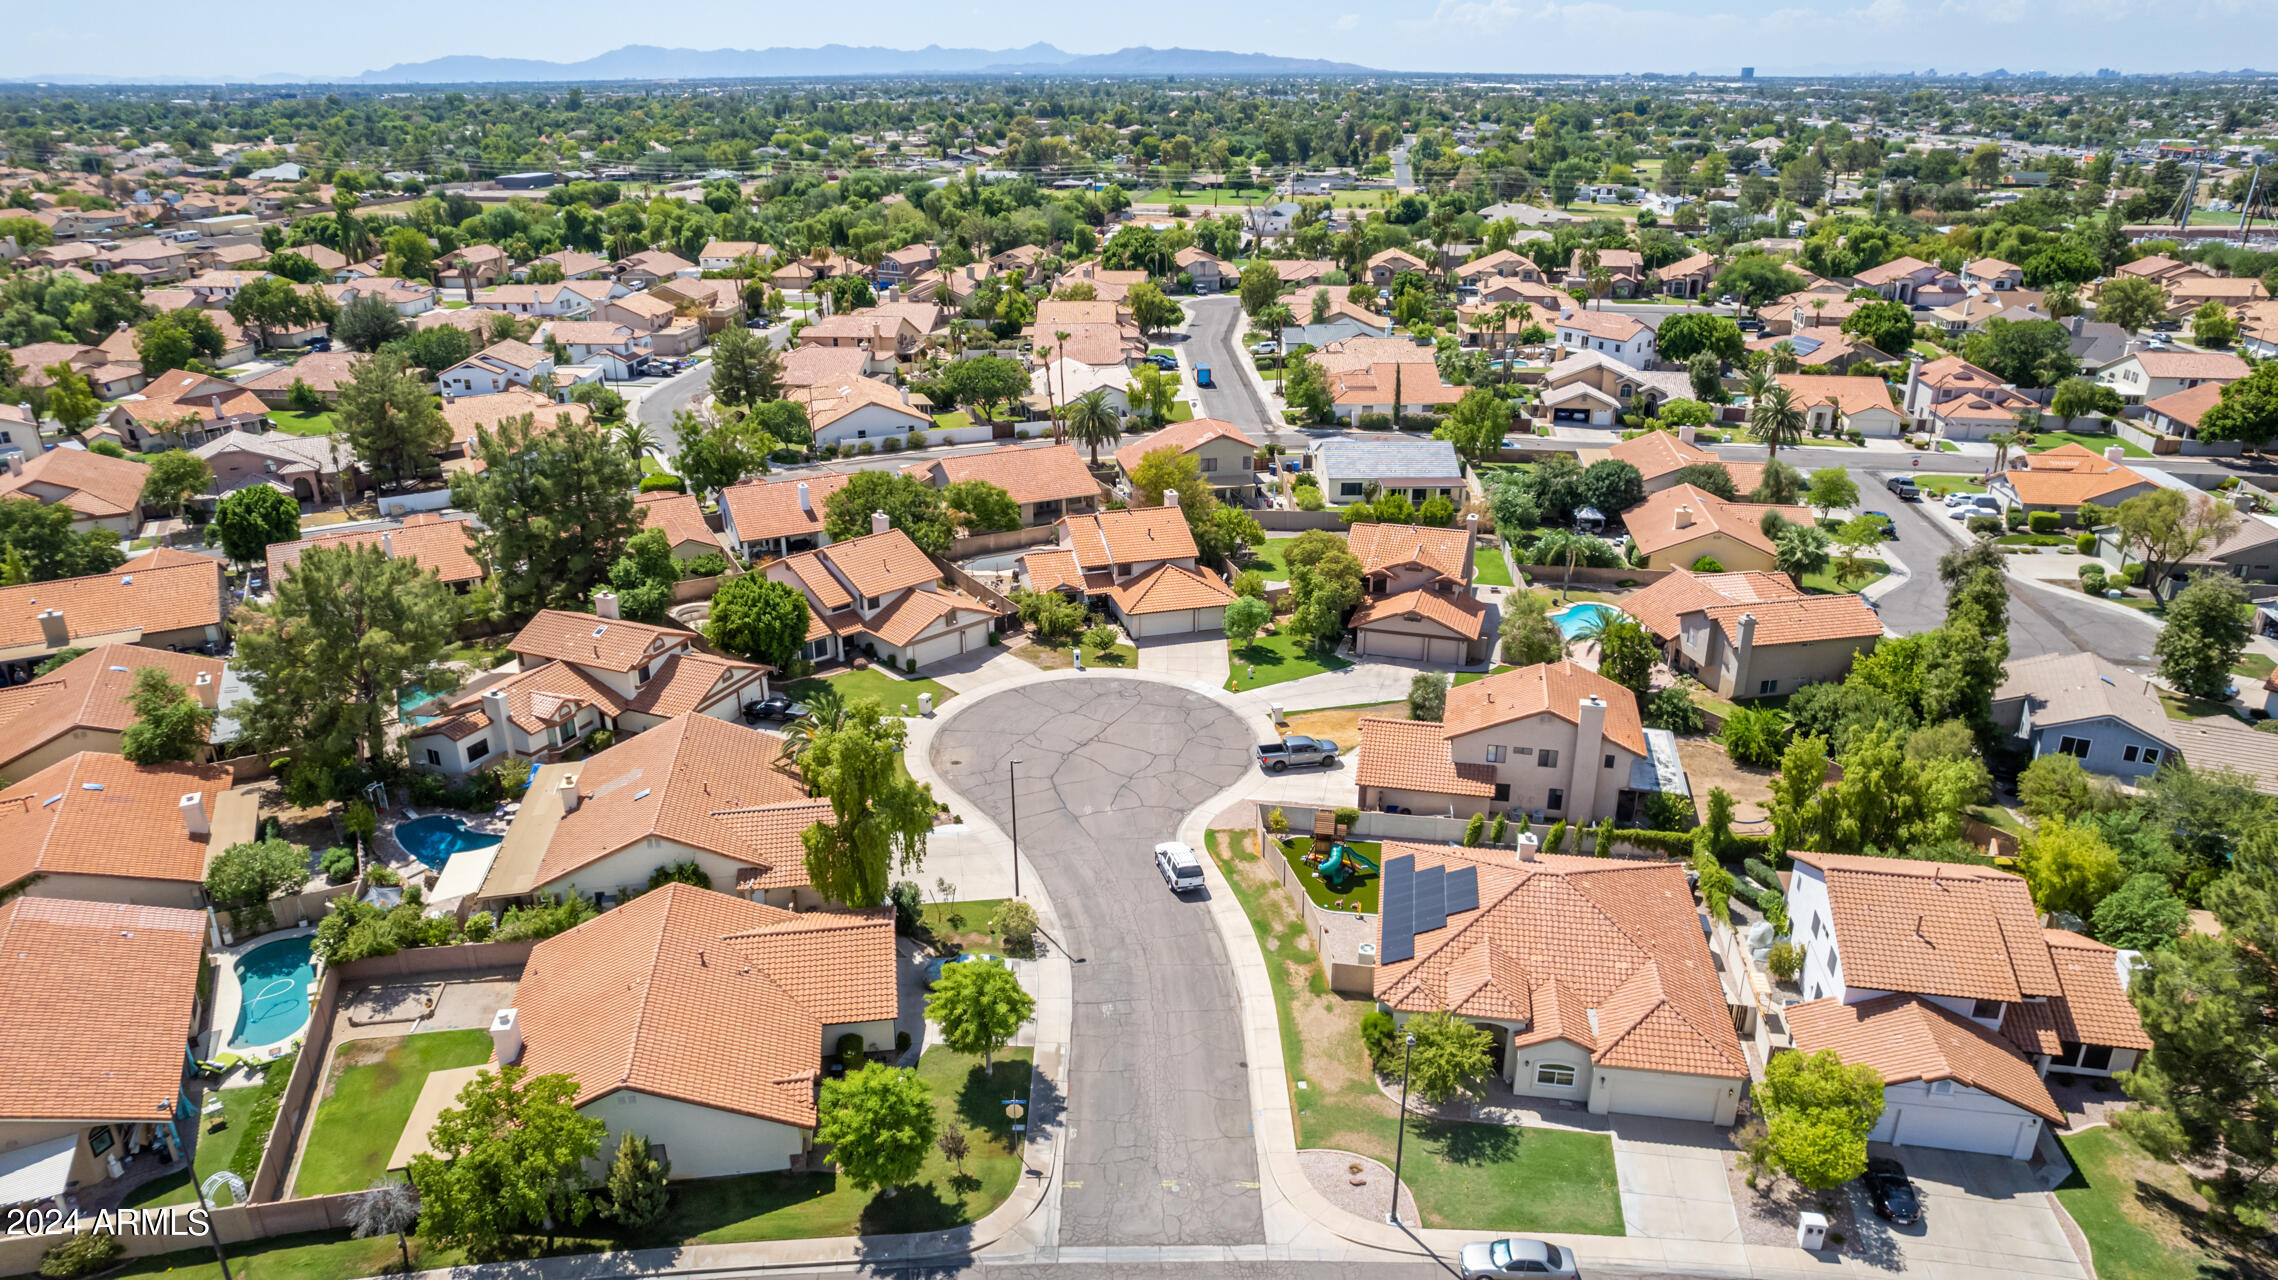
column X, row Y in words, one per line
column 92, row 485
column 1133, row 535
column 1446, row 552
column 1412, row 755
column 1185, row 437
column 1028, row 473
column 2094, row 1008
column 1169, row 588
column 92, row 691
column 874, row 564
column 1923, row 927
column 94, row 814
column 1555, row 688
column 159, row 593
column 1909, row 1039
column 763, row 509
column 2068, row 475
column 687, row 683
column 98, row 1000
column 427, row 540
column 681, row 517
column 1850, row 395
column 1053, row 569
column 610, row 644
column 1461, row 615
column 1653, row 523
column 467, row 414
column 1661, row 605
column 1802, row 620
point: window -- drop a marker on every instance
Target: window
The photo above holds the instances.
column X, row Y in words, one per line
column 1348, row 489
column 2077, row 747
column 1941, row 1088
column 2151, row 755
column 1609, row 762
column 99, row 1139
column 1985, row 1008
column 1555, row 1074
column 434, row 757
column 2128, row 756
column 1502, row 793
column 2096, row 1057
column 478, row 749
column 1556, row 802
column 1546, row 758
column 1495, row 755
column 1767, row 687
column 642, row 676
column 1210, row 464
column 1818, row 926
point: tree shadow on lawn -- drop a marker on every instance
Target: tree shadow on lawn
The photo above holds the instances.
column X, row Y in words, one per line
column 917, row 1207
column 981, row 1100
column 1466, row 1143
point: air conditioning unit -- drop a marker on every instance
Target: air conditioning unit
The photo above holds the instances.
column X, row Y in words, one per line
column 1367, row 953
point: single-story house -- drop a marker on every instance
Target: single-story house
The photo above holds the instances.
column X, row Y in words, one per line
column 1419, row 470
column 1680, row 525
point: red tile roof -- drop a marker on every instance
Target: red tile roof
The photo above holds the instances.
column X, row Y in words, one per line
column 427, row 540
column 98, row 1000
column 1935, row 929
column 1909, row 1039
column 162, row 592
column 94, row 814
column 1185, row 437
column 1555, row 688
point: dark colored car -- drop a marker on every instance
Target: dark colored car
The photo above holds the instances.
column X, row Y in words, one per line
column 773, row 707
column 319, row 344
column 1168, row 364
column 1890, row 526
column 1891, row 1192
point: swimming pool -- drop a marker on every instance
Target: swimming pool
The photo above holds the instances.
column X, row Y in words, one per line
column 272, row 993
column 415, row 698
column 434, row 839
column 1574, row 618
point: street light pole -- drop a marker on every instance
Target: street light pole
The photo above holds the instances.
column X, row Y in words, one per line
column 1012, row 780
column 1400, row 1142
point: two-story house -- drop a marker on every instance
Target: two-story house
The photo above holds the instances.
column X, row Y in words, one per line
column 1210, row 273
column 1625, row 266
column 1959, row 401
column 1941, row 977
column 1625, row 338
column 1141, row 562
column 477, row 266
column 1682, row 525
column 1689, row 277
column 2150, row 374
column 764, row 518
column 1913, row 281
column 1418, row 603
column 1384, row 266
column 1753, row 634
column 900, row 267
column 1226, row 456
column 579, row 672
column 882, row 595
column 1554, row 740
column 494, row 369
column 1993, row 274
column 885, row 340
column 100, row 492
column 1838, row 402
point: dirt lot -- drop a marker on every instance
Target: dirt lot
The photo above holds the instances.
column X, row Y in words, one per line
column 1342, row 725
column 1707, row 767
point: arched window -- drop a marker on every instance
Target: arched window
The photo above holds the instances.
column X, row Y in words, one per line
column 1556, row 1075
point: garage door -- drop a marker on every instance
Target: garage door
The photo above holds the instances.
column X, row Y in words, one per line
column 1989, row 1133
column 1445, row 652
column 1394, row 644
column 1678, row 1097
column 940, row 647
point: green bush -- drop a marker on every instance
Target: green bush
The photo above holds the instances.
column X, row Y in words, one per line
column 1378, row 1033
column 339, row 865
column 2044, row 521
column 1347, row 817
column 480, row 926
column 901, row 1042
column 650, row 484
column 2013, row 516
column 262, row 1118
column 2085, row 544
column 709, row 565
column 850, row 1050
column 1785, row 960
column 1475, row 830
column 1761, row 873
column 1679, row 844
column 1673, row 709
column 83, row 1255
column 907, row 899
column 1708, row 564
column 2132, row 575
column 1984, row 526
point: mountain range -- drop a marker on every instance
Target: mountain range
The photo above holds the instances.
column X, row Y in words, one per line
column 650, row 62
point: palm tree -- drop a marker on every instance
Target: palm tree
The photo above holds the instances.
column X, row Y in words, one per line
column 2002, row 442
column 1278, row 318
column 1060, row 336
column 1601, row 284
column 1784, row 357
column 1775, row 419
column 1093, row 421
column 385, row 1208
column 635, row 438
column 826, row 711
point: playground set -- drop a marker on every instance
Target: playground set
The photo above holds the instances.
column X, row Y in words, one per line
column 1342, row 868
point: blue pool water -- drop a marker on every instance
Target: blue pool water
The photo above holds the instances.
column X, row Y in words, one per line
column 413, row 698
column 272, row 993
column 1574, row 617
column 433, row 840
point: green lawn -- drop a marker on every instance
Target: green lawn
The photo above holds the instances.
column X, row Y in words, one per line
column 1481, row 1177
column 2140, row 1214
column 2096, row 442
column 2000, row 818
column 877, row 686
column 1466, row 677
column 1058, row 657
column 2180, row 707
column 969, row 925
column 1491, row 568
column 650, row 466
column 1277, row 658
column 1267, row 559
column 955, row 420
column 368, row 1099
column 2032, row 540
column 1180, row 411
column 215, row 1151
column 1824, row 579
column 1940, row 486
column 1929, row 350
column 315, row 1255
column 302, row 424
column 1359, row 893
column 2254, row 666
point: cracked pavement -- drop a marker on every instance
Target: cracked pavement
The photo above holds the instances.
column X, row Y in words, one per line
column 1159, row 1147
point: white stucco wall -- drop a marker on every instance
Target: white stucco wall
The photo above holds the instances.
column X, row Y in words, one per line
column 701, row 1142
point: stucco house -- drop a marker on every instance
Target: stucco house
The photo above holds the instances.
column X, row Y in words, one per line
column 1418, row 603
column 1754, row 635
column 100, row 492
column 761, row 517
column 879, row 593
column 1659, row 456
column 1227, row 456
column 1048, row 481
column 1678, row 526
column 97, row 828
column 1592, row 974
column 1839, row 402
column 1141, row 562
column 2146, row 375
column 167, row 599
column 2080, row 705
column 84, row 705
column 1940, row 976
column 2063, row 478
column 1625, row 338
column 1419, row 470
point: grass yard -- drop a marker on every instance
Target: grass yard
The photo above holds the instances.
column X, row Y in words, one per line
column 215, row 1151
column 368, row 1099
column 2254, row 666
column 962, row 926
column 1360, row 890
column 1940, row 486
column 2140, row 1214
column 955, row 420
column 1180, row 411
column 1276, row 659
column 302, row 424
column 1061, row 657
column 2180, row 707
column 316, row 1255
column 2032, row 540
column 1491, row 568
column 1999, row 818
column 890, row 691
column 1477, row 1176
column 2094, row 441
column 1466, row 677
column 650, row 466
column 1824, row 579
column 1267, row 559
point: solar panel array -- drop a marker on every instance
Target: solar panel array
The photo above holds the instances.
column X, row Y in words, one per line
column 1418, row 900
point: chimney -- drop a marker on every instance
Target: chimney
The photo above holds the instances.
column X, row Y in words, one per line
column 1684, row 516
column 15, row 464
column 605, row 604
column 1688, row 433
column 2073, row 323
column 1530, row 844
column 1913, row 380
column 1471, row 524
column 568, row 792
column 193, row 808
column 1170, row 497
column 879, row 523
column 494, row 705
column 1585, row 769
column 387, row 545
column 806, row 501
column 52, row 631
column 506, row 1036
column 2115, row 454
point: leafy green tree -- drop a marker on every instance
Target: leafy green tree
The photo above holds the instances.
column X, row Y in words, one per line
column 70, row 398
column 175, row 477
column 554, row 510
column 2167, row 528
column 1817, row 1112
column 881, row 818
column 390, row 421
column 243, row 877
column 2143, row 914
column 2131, row 302
column 1831, row 487
column 979, row 506
column 1261, row 285
column 2213, row 325
column 1799, row 793
column 269, row 304
column 984, row 382
column 1756, row 280
column 1752, row 735
column 642, row 578
column 757, row 618
column 1477, row 425
column 1612, row 486
column 2077, row 398
column 2205, row 635
column 1305, row 386
column 746, row 369
column 1888, row 327
column 247, row 521
column 1427, row 696
column 1709, row 477
column 169, row 723
column 2070, row 867
column 637, row 1186
column 879, row 1123
column 349, row 629
column 2206, row 1094
column 980, row 1007
column 716, row 452
column 1706, row 374
column 1626, row 655
column 410, row 255
column 2247, row 410
column 1324, row 592
column 508, row 1160
column 1165, row 469
column 367, row 323
column 1245, row 618
column 1690, row 333
column 2054, row 786
column 1152, row 310
column 1451, row 1055
column 2030, row 353
column 910, row 506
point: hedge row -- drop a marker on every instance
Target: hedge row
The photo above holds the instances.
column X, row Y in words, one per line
column 1761, row 873
column 1679, row 844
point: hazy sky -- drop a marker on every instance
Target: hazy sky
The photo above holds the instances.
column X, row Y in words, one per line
column 1509, row 36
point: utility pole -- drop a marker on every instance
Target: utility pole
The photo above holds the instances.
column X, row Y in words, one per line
column 2246, row 212
column 1012, row 781
column 1400, row 1142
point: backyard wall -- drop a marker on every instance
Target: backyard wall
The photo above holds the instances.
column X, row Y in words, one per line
column 1272, row 520
column 1345, row 977
column 983, row 544
column 290, row 911
column 20, row 1255
column 1550, row 575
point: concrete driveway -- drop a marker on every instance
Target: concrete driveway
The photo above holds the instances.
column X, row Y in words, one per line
column 1671, row 1174
column 1199, row 658
column 1982, row 1216
column 1159, row 1149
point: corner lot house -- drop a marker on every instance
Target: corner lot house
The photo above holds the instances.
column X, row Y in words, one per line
column 83, row 704
column 1941, row 977
column 1754, row 635
column 2062, row 478
column 881, row 595
column 1659, row 456
column 96, row 828
column 495, row 368
column 1418, row 603
column 1419, row 470
column 1227, row 457
column 1141, row 562
column 1838, row 402
column 701, row 1021
column 1552, row 741
column 1625, row 338
column 2077, row 704
column 91, row 1071
column 1592, row 974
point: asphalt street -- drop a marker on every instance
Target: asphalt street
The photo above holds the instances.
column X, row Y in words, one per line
column 1151, row 1268
column 1158, row 1149
column 1215, row 330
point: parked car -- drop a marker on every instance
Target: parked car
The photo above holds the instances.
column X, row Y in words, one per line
column 1979, row 505
column 935, row 967
column 1180, row 869
column 1202, row 376
column 774, row 707
column 318, row 344
column 1168, row 364
column 1266, row 348
column 1890, row 526
column 1960, row 499
column 1891, row 1192
column 1278, row 756
column 1516, row 1257
column 1904, row 489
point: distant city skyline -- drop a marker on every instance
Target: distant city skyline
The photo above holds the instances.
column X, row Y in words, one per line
column 1713, row 37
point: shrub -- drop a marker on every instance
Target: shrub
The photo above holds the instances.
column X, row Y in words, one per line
column 262, row 1118
column 1347, row 817
column 2093, row 579
column 1502, row 826
column 1785, row 960
column 2013, row 516
column 891, row 444
column 1761, row 873
column 2085, row 544
column 480, row 926
column 2132, row 575
column 1672, row 709
column 1376, row 422
column 1016, row 923
column 901, row 1042
column 1984, row 526
column 1378, row 1034
column 339, row 865
column 1707, row 564
column 83, row 1255
column 2044, row 521
column 651, row 484
column 907, row 898
column 601, row 740
column 1475, row 830
column 1276, row 821
column 850, row 1049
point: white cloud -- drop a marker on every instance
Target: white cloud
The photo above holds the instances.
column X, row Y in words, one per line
column 1347, row 22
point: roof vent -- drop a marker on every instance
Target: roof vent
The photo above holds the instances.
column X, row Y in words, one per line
column 118, row 668
column 51, row 800
column 90, row 786
column 598, row 630
column 643, row 793
column 127, row 581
